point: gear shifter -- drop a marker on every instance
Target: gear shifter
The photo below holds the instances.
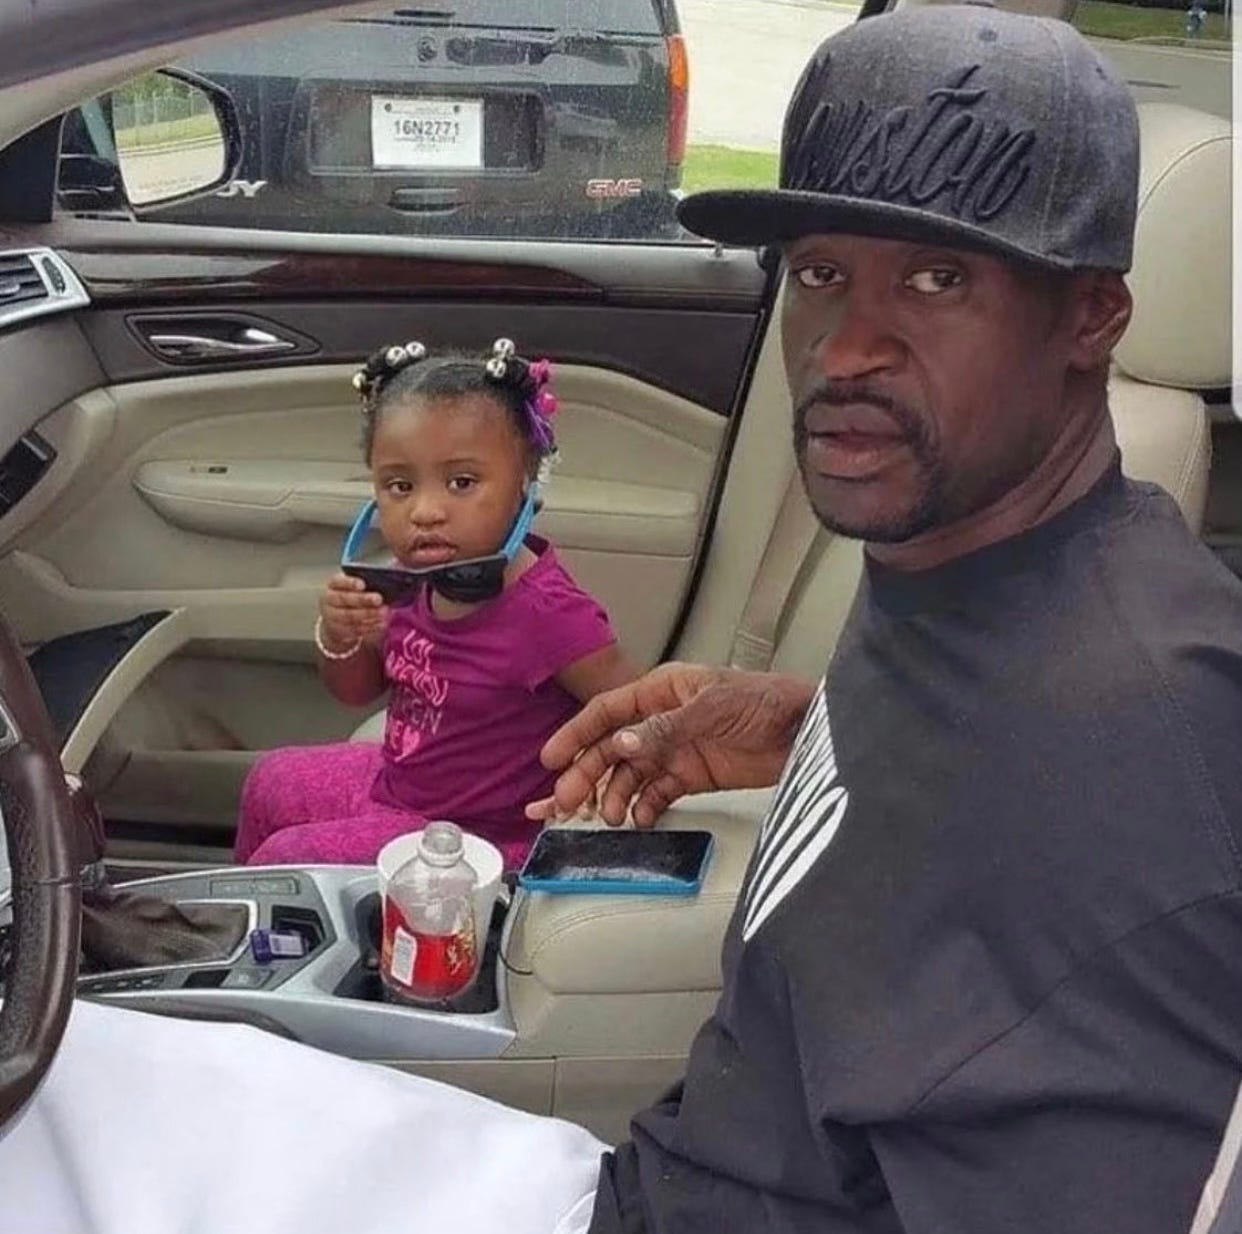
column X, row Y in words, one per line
column 124, row 928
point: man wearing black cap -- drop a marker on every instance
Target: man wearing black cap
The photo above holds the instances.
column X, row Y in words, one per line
column 985, row 973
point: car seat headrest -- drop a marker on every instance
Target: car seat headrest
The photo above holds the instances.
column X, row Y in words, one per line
column 1181, row 332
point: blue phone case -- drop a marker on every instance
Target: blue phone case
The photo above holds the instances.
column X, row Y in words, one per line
column 622, row 887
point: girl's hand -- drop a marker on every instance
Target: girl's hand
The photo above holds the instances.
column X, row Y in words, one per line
column 350, row 613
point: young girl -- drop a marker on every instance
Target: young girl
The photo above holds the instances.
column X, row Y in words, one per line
column 482, row 665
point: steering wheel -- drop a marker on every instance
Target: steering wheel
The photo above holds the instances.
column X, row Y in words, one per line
column 39, row 825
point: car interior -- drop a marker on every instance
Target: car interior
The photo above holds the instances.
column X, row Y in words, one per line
column 168, row 513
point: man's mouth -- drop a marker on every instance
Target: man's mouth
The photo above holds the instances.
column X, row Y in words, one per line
column 851, row 443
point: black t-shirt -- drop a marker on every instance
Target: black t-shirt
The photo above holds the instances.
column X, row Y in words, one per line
column 985, row 974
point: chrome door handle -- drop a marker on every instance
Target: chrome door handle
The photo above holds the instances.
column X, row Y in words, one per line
column 249, row 342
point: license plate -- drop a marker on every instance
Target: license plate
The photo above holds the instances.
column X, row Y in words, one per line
column 426, row 133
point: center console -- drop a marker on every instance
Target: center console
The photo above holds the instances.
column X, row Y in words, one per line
column 584, row 1008
column 331, row 996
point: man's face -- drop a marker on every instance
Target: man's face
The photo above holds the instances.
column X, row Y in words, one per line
column 927, row 382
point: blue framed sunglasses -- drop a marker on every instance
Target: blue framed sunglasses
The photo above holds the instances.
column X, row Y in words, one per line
column 464, row 582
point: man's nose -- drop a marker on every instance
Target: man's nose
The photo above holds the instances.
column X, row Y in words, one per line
column 859, row 343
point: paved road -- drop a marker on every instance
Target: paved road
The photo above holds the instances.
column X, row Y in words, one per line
column 745, row 58
column 155, row 172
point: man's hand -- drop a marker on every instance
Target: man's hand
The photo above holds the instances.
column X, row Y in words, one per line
column 350, row 613
column 680, row 729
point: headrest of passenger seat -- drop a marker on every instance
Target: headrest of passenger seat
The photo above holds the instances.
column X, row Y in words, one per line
column 1181, row 334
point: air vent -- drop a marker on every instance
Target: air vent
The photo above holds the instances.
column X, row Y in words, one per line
column 35, row 282
column 20, row 281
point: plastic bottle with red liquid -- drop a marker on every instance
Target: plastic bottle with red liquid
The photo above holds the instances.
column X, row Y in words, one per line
column 428, row 952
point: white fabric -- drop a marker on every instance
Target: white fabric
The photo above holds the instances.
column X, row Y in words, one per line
column 1222, row 1173
column 148, row 1125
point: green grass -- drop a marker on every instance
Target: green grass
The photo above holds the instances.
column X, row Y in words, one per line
column 722, row 167
column 169, row 132
column 1100, row 19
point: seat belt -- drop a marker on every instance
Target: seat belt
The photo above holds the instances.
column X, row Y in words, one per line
column 789, row 544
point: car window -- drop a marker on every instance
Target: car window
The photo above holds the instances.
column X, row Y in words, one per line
column 1204, row 21
column 528, row 119
column 1174, row 51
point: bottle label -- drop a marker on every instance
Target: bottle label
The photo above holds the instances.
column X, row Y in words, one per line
column 404, row 951
column 425, row 966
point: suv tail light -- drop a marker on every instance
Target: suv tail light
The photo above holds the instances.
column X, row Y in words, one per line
column 678, row 98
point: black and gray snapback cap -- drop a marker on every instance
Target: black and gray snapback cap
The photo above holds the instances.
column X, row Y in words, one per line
column 951, row 123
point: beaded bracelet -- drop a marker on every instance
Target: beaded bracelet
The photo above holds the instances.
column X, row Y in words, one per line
column 327, row 652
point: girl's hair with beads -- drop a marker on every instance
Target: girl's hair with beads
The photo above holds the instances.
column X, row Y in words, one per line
column 393, row 374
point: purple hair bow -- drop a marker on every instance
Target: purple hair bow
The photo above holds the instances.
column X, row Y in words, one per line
column 541, row 406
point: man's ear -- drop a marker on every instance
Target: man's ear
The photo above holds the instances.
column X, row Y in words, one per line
column 1101, row 312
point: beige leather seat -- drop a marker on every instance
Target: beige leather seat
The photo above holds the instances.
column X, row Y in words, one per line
column 580, row 963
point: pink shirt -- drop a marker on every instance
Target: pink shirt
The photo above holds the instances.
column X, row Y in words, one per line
column 473, row 700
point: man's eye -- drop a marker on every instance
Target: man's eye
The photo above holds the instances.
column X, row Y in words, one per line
column 460, row 484
column 934, row 281
column 815, row 277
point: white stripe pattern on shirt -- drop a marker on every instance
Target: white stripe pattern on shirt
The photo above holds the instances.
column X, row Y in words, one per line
column 804, row 816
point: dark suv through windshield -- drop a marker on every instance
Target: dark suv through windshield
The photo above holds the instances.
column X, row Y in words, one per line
column 470, row 117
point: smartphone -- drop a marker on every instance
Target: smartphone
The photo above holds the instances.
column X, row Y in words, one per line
column 568, row 861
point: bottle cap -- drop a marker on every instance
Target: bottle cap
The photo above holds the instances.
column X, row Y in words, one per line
column 441, row 844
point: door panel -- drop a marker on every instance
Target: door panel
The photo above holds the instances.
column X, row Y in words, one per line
column 276, row 500
column 161, row 524
column 583, row 334
column 221, row 491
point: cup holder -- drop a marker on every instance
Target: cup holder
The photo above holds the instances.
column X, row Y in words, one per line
column 363, row 981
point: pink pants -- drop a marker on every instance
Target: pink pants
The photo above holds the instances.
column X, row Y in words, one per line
column 311, row 805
